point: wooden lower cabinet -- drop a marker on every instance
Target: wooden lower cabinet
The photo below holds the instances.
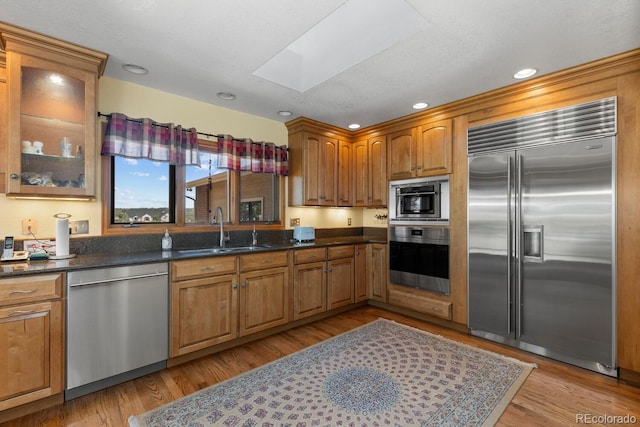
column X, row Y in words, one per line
column 264, row 299
column 340, row 276
column 361, row 277
column 378, row 271
column 31, row 339
column 264, row 291
column 420, row 301
column 323, row 279
column 204, row 303
column 203, row 313
column 309, row 289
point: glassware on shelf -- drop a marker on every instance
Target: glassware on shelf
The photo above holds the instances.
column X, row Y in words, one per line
column 66, row 147
column 37, row 147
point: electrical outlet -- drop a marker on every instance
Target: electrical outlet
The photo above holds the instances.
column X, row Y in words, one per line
column 294, row 221
column 79, row 227
column 348, row 221
column 28, row 226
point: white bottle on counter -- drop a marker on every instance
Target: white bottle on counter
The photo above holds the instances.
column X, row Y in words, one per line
column 166, row 241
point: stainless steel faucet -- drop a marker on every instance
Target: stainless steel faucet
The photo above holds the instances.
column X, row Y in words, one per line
column 218, row 216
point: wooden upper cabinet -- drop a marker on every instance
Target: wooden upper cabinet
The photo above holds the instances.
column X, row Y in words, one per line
column 424, row 150
column 312, row 148
column 51, row 92
column 320, row 171
column 370, row 172
column 345, row 173
column 4, row 123
column 401, row 154
column 434, row 148
column 319, row 165
column 377, row 165
column 360, row 166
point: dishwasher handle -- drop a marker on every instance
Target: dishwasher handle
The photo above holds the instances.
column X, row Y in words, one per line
column 117, row 279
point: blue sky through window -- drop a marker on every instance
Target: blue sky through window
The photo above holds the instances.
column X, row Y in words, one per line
column 142, row 183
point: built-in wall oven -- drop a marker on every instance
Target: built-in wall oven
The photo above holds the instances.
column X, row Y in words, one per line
column 419, row 257
column 419, row 201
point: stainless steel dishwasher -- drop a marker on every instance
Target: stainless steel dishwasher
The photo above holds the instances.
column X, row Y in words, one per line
column 117, row 325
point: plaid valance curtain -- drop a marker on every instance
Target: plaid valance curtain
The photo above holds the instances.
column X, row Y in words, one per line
column 248, row 155
column 146, row 139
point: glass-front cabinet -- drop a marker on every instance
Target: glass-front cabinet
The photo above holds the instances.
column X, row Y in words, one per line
column 52, row 116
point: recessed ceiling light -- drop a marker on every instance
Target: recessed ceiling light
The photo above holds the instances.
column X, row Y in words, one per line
column 524, row 73
column 284, row 113
column 420, row 105
column 135, row 69
column 354, row 126
column 227, row 96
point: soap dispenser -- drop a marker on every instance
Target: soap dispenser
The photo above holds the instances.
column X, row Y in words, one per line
column 166, row 241
column 254, row 236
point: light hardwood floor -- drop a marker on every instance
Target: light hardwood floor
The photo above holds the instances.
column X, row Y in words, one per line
column 555, row 394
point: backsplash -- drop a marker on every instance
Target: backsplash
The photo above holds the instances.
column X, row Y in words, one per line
column 135, row 243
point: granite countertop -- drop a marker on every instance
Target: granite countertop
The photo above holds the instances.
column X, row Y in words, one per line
column 15, row 268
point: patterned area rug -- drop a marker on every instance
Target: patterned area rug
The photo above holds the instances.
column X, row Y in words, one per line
column 380, row 374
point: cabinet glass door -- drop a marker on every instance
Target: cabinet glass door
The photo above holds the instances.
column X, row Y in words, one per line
column 52, row 124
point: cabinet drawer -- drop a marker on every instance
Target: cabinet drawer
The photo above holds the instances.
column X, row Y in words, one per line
column 202, row 267
column 336, row 252
column 309, row 255
column 263, row 260
column 422, row 304
column 30, row 288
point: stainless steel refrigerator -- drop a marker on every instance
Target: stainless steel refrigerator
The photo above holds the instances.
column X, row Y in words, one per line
column 541, row 217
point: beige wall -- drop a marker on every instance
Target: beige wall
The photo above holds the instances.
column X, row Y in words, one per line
column 139, row 101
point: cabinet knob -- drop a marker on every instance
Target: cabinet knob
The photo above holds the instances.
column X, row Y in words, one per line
column 235, row 286
column 419, row 167
column 244, row 284
column 14, row 176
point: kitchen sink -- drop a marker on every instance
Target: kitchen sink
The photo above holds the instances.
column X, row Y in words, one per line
column 217, row 250
column 204, row 251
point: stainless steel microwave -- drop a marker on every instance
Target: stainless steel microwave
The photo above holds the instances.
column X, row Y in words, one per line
column 419, row 201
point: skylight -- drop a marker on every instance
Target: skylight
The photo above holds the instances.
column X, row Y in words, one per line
column 354, row 32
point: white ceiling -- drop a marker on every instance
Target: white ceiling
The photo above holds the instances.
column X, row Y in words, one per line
column 197, row 48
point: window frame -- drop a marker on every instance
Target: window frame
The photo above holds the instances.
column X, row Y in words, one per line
column 232, row 218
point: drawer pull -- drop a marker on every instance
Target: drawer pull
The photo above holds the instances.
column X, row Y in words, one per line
column 20, row 312
column 266, row 261
column 207, row 268
column 22, row 291
column 436, row 309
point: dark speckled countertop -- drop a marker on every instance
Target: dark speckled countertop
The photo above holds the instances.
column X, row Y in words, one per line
column 97, row 260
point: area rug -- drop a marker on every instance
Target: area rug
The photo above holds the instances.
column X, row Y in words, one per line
column 383, row 373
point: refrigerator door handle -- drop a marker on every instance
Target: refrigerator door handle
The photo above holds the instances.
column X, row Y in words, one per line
column 510, row 239
column 518, row 246
column 533, row 243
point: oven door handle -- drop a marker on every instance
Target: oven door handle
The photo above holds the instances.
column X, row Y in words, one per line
column 422, row 193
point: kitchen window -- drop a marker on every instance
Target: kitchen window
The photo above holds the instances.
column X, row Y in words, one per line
column 145, row 195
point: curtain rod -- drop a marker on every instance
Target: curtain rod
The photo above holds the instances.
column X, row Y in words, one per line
column 167, row 127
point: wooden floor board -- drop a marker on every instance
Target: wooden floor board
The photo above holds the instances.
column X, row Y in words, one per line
column 555, row 394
